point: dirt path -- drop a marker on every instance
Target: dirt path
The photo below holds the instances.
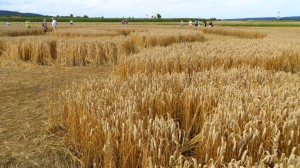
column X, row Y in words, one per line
column 24, row 95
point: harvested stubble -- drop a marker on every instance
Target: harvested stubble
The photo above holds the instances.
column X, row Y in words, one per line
column 195, row 57
column 235, row 32
column 241, row 117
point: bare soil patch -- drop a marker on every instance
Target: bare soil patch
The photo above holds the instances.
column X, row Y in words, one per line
column 25, row 92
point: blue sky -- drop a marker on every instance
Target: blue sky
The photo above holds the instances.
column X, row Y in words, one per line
column 221, row 9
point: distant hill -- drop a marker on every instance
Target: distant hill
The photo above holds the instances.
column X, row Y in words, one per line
column 269, row 18
column 291, row 18
column 14, row 13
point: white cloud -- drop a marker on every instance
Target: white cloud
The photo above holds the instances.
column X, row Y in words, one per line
column 167, row 8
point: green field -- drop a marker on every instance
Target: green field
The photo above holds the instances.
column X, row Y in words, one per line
column 163, row 21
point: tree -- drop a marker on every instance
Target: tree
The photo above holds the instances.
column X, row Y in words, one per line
column 158, row 16
column 85, row 16
column 71, row 15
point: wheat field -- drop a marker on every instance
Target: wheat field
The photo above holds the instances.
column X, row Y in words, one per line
column 177, row 97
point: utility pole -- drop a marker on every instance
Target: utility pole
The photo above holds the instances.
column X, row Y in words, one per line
column 278, row 16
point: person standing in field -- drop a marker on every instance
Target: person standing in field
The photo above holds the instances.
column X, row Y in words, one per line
column 44, row 25
column 210, row 24
column 196, row 22
column 27, row 24
column 54, row 24
column 204, row 23
column 190, row 23
column 181, row 23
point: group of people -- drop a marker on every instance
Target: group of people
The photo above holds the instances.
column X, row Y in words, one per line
column 197, row 23
column 44, row 24
column 45, row 27
column 124, row 21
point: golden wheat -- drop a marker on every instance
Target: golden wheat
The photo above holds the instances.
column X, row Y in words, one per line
column 221, row 116
column 23, row 32
column 196, row 57
column 69, row 33
column 89, row 51
column 227, row 102
column 235, row 32
column 38, row 52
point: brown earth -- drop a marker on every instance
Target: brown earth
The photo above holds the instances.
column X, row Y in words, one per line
column 25, row 93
